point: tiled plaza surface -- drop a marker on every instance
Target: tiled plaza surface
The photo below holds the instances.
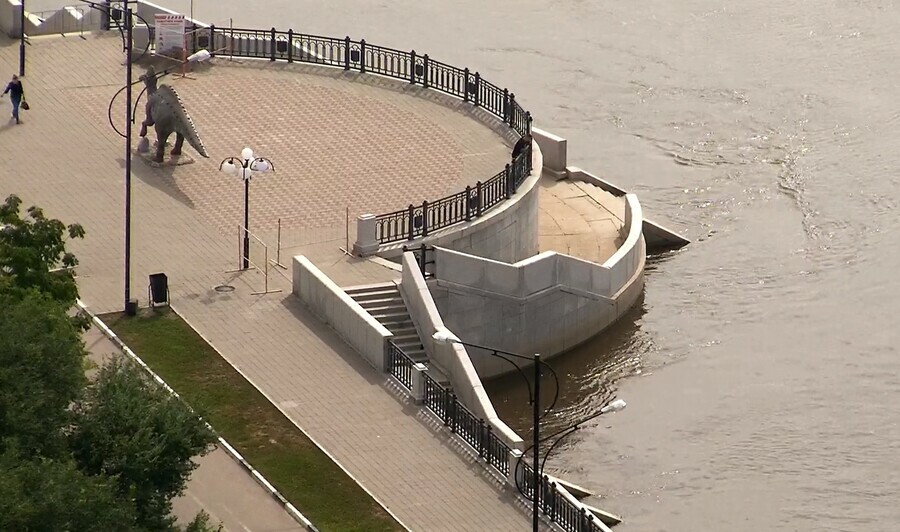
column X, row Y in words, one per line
column 338, row 141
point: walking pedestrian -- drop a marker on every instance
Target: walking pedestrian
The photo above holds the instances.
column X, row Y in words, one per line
column 16, row 95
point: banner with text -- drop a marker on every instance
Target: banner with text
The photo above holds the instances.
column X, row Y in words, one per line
column 169, row 34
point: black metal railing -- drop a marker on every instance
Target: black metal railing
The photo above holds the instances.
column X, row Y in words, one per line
column 399, row 365
column 559, row 509
column 421, row 220
column 470, row 428
column 415, row 220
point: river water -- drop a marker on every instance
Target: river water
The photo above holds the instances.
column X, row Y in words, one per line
column 761, row 367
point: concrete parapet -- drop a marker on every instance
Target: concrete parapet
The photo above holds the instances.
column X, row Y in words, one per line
column 452, row 359
column 326, row 299
column 508, row 232
column 366, row 240
column 658, row 237
column 555, row 150
column 10, row 11
column 548, row 303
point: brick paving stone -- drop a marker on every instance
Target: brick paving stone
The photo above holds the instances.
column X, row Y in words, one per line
column 337, row 140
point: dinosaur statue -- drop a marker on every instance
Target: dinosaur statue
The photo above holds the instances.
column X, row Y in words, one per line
column 166, row 113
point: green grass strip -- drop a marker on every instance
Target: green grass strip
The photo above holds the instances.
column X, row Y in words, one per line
column 248, row 421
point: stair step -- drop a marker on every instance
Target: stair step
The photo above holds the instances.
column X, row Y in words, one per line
column 368, row 287
column 384, row 308
column 412, row 346
column 391, row 314
column 406, row 339
column 417, row 356
column 382, row 301
column 394, row 322
column 381, row 294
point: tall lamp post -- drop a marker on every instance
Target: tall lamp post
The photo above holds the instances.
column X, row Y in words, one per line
column 22, row 39
column 201, row 55
column 244, row 167
column 445, row 336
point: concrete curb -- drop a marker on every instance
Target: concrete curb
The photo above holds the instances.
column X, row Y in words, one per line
column 257, row 476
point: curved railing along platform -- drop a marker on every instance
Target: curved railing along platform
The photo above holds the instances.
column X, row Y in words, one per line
column 420, row 219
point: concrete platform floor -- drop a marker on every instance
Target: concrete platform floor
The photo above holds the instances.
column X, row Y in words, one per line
column 580, row 220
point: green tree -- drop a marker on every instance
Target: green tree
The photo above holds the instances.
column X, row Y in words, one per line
column 32, row 249
column 47, row 495
column 130, row 428
column 201, row 524
column 41, row 372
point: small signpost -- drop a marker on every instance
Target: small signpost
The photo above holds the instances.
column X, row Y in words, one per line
column 169, row 34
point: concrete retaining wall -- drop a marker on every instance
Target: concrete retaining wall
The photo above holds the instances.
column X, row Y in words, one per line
column 9, row 17
column 451, row 359
column 508, row 232
column 548, row 304
column 330, row 303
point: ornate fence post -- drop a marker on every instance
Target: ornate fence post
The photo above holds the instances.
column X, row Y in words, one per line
column 452, row 416
column 347, row 53
column 362, row 56
column 468, row 203
column 529, row 119
column 425, row 71
column 550, row 501
column 212, row 40
column 506, row 105
column 583, row 522
column 478, row 193
column 484, row 438
column 509, row 181
column 409, row 220
column 412, row 67
column 477, row 89
column 272, row 44
column 290, row 50
column 466, row 85
column 423, row 259
column 424, row 220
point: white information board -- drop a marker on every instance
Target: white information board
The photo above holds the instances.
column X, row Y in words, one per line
column 169, row 33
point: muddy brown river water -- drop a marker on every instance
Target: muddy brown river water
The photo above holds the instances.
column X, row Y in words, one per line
column 761, row 367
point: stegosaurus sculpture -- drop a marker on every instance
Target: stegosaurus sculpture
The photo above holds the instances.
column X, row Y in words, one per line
column 166, row 113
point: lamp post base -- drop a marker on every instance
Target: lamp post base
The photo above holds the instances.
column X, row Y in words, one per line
column 131, row 307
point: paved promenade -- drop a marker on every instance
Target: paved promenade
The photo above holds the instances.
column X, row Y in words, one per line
column 219, row 486
column 336, row 143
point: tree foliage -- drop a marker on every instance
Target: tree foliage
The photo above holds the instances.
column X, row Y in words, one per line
column 41, row 372
column 33, row 248
column 77, row 455
column 131, row 428
column 45, row 494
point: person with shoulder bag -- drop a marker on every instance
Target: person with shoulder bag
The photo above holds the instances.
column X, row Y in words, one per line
column 16, row 96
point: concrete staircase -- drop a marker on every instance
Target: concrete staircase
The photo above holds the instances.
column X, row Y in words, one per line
column 384, row 302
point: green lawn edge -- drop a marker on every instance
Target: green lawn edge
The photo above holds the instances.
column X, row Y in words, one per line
column 239, row 413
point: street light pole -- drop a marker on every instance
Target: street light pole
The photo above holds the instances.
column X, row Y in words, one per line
column 22, row 39
column 536, row 420
column 130, row 306
column 246, row 263
column 445, row 336
column 244, row 166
